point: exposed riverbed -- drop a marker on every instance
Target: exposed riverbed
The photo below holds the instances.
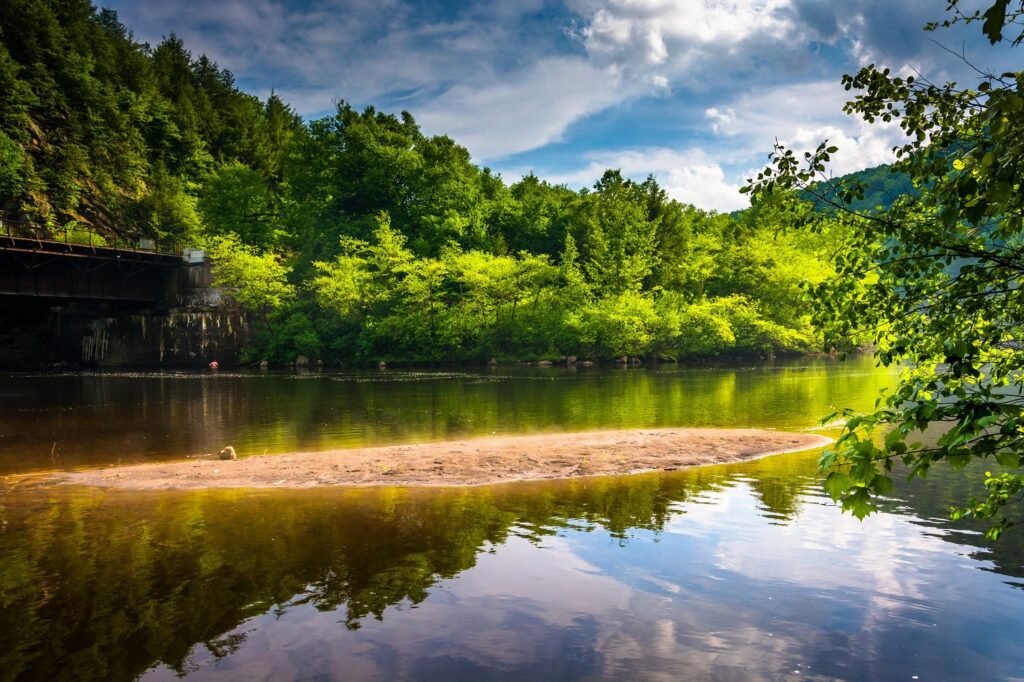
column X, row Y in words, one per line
column 480, row 461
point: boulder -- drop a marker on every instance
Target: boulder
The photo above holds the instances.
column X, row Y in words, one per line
column 264, row 364
column 382, row 365
column 570, row 360
column 301, row 361
column 544, row 363
column 227, row 453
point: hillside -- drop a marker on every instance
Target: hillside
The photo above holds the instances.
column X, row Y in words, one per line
column 881, row 185
column 356, row 237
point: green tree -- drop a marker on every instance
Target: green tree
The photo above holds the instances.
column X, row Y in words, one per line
column 235, row 198
column 259, row 282
column 12, row 168
column 616, row 236
column 933, row 284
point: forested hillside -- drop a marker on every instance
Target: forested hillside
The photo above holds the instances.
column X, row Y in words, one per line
column 880, row 187
column 356, row 237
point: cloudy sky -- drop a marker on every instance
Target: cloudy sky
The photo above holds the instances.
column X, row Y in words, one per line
column 693, row 91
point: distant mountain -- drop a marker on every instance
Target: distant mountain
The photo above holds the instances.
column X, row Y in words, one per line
column 882, row 186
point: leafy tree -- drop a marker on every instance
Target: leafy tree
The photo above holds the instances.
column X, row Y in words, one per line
column 12, row 165
column 933, row 284
column 617, row 238
column 356, row 236
column 235, row 198
column 620, row 325
column 259, row 282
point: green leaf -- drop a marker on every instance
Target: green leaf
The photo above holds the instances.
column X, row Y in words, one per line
column 837, row 483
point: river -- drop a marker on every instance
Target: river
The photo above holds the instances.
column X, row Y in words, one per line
column 731, row 572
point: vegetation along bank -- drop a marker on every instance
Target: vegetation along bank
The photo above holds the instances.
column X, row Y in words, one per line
column 358, row 238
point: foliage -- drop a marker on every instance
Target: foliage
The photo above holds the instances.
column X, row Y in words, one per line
column 113, row 133
column 257, row 281
column 357, row 237
column 933, row 282
column 235, row 198
column 882, row 186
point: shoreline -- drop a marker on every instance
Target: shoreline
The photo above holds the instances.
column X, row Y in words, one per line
column 471, row 462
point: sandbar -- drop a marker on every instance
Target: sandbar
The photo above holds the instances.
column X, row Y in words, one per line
column 476, row 461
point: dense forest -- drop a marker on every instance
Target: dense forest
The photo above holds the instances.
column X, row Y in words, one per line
column 878, row 189
column 356, row 237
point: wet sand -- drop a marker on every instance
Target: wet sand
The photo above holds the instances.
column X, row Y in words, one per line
column 495, row 459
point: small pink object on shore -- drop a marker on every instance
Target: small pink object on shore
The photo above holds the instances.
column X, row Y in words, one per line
column 214, row 365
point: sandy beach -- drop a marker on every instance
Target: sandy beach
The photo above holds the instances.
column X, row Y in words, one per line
column 479, row 461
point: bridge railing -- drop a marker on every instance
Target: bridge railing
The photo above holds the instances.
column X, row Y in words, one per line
column 78, row 235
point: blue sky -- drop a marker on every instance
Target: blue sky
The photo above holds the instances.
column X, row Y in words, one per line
column 693, row 91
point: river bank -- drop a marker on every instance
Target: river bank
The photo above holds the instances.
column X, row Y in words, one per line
column 456, row 463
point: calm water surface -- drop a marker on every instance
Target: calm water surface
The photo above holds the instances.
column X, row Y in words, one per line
column 730, row 572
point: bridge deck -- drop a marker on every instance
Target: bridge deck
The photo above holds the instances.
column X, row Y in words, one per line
column 29, row 245
column 44, row 264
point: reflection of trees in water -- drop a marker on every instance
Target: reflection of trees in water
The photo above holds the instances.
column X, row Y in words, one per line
column 101, row 418
column 107, row 585
column 780, row 482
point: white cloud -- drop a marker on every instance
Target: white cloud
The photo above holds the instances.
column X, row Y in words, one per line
column 535, row 109
column 705, row 186
column 723, row 121
column 689, row 176
column 636, row 35
column 801, row 117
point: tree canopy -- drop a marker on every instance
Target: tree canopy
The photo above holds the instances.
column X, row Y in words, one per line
column 357, row 237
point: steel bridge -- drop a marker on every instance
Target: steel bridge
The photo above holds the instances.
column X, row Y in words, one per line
column 80, row 264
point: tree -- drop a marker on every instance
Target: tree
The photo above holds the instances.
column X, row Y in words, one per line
column 616, row 235
column 933, row 284
column 259, row 281
column 236, row 199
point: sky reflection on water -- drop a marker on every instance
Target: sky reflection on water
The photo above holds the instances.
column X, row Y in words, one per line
column 724, row 589
column 730, row 572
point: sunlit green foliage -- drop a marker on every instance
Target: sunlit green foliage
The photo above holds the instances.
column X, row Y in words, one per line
column 258, row 281
column 933, row 283
column 357, row 237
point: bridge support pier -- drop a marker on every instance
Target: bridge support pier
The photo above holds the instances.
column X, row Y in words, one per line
column 90, row 335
